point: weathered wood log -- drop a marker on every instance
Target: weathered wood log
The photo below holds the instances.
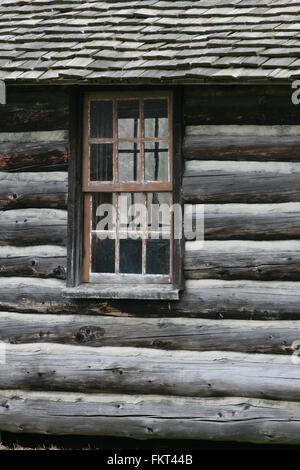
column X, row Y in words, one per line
column 37, row 261
column 33, row 227
column 243, row 260
column 34, row 109
column 237, row 130
column 202, row 298
column 248, row 221
column 136, row 370
column 241, row 182
column 36, row 156
column 27, row 190
column 263, row 105
column 242, row 148
column 271, row 337
column 150, row 417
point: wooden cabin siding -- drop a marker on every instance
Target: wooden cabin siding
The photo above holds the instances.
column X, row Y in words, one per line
column 34, row 149
column 214, row 365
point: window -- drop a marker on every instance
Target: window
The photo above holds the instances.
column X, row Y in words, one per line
column 126, row 190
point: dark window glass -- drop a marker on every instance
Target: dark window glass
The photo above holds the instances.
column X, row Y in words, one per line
column 101, row 162
column 158, row 214
column 156, row 118
column 158, row 257
column 103, row 255
column 103, row 212
column 128, row 118
column 156, row 161
column 101, row 120
column 131, row 256
column 128, row 161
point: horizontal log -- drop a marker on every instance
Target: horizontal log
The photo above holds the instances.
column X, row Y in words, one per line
column 34, row 109
column 27, row 190
column 33, row 227
column 247, row 221
column 30, row 137
column 36, row 156
column 242, row 148
column 270, row 337
column 243, row 260
column 202, row 298
column 237, row 130
column 37, row 261
column 264, row 105
column 241, row 182
column 135, row 370
column 150, row 417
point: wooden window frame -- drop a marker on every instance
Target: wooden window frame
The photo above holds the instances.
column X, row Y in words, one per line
column 78, row 184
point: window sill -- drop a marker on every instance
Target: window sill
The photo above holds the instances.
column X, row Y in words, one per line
column 121, row 291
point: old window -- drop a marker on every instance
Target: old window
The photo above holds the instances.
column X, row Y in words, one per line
column 128, row 192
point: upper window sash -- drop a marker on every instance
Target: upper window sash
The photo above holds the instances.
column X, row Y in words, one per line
column 111, row 147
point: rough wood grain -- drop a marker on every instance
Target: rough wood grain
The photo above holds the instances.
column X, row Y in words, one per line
column 248, row 221
column 26, row 190
column 241, row 182
column 37, row 261
column 243, row 260
column 242, row 148
column 150, row 417
column 271, row 337
column 33, row 227
column 238, row 104
column 201, row 298
column 36, row 109
column 137, row 370
column 36, row 156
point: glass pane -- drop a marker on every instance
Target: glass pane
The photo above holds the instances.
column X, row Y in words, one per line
column 131, row 213
column 156, row 118
column 158, row 214
column 158, row 257
column 104, row 212
column 128, row 118
column 128, row 161
column 131, row 256
column 101, row 120
column 101, row 162
column 103, row 255
column 156, row 156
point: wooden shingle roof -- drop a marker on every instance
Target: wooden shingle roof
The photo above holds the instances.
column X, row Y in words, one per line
column 149, row 40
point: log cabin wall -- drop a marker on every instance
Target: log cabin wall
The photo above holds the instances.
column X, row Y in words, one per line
column 223, row 352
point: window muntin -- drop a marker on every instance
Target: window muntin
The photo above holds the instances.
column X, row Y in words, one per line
column 132, row 162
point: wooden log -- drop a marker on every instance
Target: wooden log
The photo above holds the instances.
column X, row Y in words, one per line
column 27, row 190
column 241, row 182
column 242, row 148
column 247, row 221
column 36, row 109
column 270, row 337
column 37, row 261
column 263, row 105
column 150, row 417
column 202, row 298
column 243, row 260
column 33, row 227
column 236, row 130
column 34, row 156
column 136, row 370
